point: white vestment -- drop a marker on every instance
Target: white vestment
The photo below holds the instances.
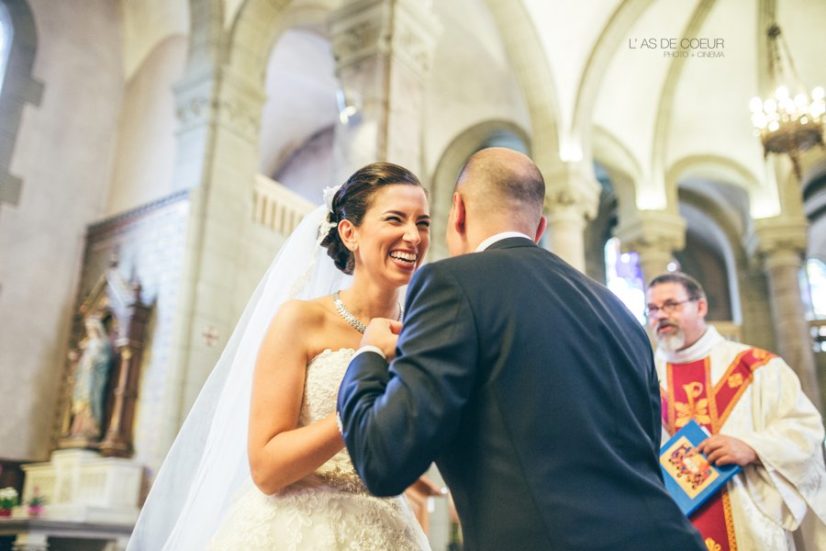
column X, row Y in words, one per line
column 781, row 424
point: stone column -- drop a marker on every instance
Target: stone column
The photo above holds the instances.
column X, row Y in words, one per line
column 781, row 244
column 654, row 236
column 571, row 199
column 217, row 153
column 383, row 53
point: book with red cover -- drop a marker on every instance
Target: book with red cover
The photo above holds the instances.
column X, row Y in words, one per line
column 689, row 477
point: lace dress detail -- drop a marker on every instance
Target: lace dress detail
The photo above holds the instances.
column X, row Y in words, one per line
column 330, row 510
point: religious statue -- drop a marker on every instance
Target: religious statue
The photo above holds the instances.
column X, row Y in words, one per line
column 94, row 365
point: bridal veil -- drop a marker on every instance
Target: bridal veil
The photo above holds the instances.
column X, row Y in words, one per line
column 207, row 465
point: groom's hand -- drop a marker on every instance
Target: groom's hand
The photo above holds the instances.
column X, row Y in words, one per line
column 383, row 333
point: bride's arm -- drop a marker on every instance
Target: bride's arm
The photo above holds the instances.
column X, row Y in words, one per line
column 279, row 452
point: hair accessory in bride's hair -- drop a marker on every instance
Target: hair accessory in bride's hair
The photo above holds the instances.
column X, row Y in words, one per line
column 324, row 227
column 328, row 222
column 330, row 194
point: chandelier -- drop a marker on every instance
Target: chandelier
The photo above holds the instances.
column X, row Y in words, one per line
column 791, row 121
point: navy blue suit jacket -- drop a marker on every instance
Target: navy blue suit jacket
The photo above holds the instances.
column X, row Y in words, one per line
column 534, row 390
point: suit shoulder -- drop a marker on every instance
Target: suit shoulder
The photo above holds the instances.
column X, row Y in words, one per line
column 440, row 267
column 430, row 273
column 447, row 273
column 473, row 267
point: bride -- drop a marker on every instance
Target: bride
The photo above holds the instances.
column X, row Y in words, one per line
column 259, row 462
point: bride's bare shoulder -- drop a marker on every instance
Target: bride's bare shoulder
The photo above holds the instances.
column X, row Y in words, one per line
column 304, row 324
column 304, row 314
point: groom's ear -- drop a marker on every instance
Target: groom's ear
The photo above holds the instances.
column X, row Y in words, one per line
column 540, row 228
column 459, row 213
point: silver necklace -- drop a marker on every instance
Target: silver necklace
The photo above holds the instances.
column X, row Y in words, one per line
column 348, row 316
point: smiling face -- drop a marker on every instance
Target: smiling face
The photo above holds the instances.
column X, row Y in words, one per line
column 394, row 234
column 677, row 319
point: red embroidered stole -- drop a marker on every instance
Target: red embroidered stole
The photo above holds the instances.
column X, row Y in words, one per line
column 692, row 394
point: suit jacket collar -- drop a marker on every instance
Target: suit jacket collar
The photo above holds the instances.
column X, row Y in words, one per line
column 490, row 240
column 511, row 243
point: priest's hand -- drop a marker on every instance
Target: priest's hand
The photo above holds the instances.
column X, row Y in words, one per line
column 727, row 450
column 382, row 333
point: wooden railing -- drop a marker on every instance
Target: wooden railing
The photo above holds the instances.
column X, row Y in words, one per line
column 277, row 207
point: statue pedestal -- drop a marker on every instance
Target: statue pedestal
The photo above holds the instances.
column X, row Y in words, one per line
column 82, row 486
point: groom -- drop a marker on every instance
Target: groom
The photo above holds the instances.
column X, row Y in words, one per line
column 531, row 387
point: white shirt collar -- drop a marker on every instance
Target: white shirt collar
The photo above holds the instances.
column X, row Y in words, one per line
column 699, row 349
column 499, row 237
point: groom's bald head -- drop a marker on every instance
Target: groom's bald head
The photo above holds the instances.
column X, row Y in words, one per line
column 502, row 182
column 498, row 190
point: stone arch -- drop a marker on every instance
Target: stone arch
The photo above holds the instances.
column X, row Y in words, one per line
column 608, row 42
column 713, row 230
column 145, row 155
column 763, row 196
column 711, row 168
column 662, row 124
column 19, row 88
column 617, row 171
column 300, row 111
column 707, row 187
column 313, row 156
column 465, row 144
column 530, row 64
column 206, row 38
column 256, row 28
column 622, row 167
column 242, row 50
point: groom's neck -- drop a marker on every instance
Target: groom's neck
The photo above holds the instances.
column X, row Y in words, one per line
column 477, row 234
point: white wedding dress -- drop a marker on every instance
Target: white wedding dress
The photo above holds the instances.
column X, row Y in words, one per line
column 331, row 510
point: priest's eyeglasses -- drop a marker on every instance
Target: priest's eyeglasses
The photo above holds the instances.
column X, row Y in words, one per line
column 668, row 307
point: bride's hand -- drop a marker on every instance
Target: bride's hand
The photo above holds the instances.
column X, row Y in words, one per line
column 383, row 333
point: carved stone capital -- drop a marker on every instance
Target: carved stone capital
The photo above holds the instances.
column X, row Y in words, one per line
column 228, row 99
column 571, row 189
column 405, row 29
column 652, row 230
column 654, row 236
column 779, row 241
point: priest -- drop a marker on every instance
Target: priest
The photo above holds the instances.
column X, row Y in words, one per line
column 751, row 403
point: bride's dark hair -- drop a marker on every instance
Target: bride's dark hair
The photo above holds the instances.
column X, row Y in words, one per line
column 353, row 199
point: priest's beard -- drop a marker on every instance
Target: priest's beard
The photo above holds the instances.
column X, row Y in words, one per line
column 672, row 343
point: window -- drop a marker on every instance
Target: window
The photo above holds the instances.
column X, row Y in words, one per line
column 18, row 45
column 814, row 297
column 624, row 277
column 5, row 41
column 816, row 272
